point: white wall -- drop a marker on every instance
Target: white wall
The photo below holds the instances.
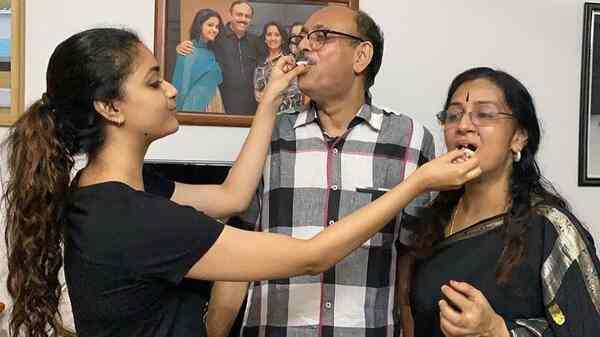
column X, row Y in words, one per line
column 538, row 41
column 50, row 22
column 427, row 43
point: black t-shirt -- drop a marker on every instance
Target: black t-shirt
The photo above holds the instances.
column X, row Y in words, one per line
column 126, row 255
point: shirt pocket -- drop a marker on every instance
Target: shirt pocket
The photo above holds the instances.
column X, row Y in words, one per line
column 376, row 192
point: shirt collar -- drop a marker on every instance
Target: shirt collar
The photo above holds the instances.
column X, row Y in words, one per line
column 365, row 113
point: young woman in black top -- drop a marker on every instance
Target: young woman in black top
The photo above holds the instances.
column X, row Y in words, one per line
column 129, row 240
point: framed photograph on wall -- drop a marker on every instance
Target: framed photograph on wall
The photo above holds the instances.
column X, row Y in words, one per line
column 217, row 52
column 12, row 56
column 589, row 119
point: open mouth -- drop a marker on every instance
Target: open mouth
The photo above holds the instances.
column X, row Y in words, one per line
column 302, row 58
column 468, row 150
column 471, row 147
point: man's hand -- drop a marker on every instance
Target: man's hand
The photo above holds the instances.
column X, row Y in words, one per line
column 185, row 47
column 466, row 312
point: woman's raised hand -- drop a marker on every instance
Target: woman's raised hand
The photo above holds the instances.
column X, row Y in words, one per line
column 449, row 171
column 466, row 312
column 282, row 74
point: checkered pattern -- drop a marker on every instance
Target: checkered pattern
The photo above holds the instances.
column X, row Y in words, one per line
column 310, row 183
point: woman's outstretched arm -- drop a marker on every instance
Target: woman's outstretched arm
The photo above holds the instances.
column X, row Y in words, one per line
column 236, row 192
column 239, row 255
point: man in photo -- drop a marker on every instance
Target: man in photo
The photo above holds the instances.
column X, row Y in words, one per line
column 295, row 30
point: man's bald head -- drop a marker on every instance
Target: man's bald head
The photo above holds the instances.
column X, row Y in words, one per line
column 340, row 18
column 355, row 22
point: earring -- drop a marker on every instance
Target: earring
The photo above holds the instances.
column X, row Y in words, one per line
column 517, row 157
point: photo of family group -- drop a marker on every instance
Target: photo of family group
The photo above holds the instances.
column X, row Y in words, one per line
column 219, row 54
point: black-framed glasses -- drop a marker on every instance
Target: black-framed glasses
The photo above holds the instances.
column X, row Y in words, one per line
column 318, row 38
column 478, row 118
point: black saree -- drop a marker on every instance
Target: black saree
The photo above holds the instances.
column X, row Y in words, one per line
column 555, row 291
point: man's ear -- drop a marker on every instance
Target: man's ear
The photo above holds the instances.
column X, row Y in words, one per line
column 110, row 112
column 363, row 56
column 519, row 140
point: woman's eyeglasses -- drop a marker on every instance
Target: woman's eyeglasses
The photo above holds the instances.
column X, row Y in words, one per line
column 478, row 118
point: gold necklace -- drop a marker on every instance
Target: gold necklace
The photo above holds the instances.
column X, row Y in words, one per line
column 451, row 225
column 453, row 217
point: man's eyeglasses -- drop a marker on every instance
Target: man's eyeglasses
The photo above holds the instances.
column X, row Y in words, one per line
column 479, row 118
column 318, row 38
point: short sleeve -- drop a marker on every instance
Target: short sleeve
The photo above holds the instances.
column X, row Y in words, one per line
column 413, row 211
column 157, row 184
column 167, row 239
column 409, row 222
column 250, row 219
column 427, row 150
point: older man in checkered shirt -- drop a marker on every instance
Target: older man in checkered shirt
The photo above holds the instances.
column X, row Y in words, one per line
column 334, row 157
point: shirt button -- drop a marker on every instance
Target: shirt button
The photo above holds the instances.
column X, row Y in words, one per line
column 328, row 305
column 334, row 187
column 335, row 151
column 331, row 222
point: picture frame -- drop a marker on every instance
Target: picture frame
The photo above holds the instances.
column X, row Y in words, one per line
column 173, row 20
column 589, row 118
column 12, row 58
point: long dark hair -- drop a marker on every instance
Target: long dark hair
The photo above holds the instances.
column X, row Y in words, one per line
column 282, row 32
column 87, row 67
column 528, row 188
column 201, row 16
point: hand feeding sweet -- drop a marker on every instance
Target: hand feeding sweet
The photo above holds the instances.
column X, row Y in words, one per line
column 302, row 59
column 282, row 73
column 469, row 151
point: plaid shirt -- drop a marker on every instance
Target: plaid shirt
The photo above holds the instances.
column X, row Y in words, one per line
column 308, row 184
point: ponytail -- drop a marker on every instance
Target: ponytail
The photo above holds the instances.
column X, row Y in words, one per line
column 39, row 167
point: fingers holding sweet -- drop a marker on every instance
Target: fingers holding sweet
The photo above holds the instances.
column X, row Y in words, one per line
column 467, row 153
column 284, row 64
column 282, row 74
column 444, row 174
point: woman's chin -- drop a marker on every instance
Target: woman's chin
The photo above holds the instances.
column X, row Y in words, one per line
column 172, row 127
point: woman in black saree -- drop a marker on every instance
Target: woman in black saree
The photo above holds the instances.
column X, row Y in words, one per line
column 503, row 256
